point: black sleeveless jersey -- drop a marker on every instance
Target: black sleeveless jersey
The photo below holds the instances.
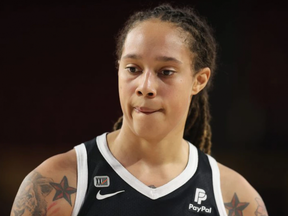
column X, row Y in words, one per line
column 106, row 188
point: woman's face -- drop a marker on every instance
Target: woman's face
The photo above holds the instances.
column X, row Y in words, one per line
column 156, row 81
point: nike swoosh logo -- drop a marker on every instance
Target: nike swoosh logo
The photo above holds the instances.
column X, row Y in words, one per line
column 101, row 197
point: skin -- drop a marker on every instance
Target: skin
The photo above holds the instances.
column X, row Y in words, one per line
column 156, row 85
column 36, row 195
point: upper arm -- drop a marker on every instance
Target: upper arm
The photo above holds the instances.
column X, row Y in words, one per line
column 49, row 189
column 239, row 197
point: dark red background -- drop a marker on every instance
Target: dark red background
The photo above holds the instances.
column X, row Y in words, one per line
column 58, row 86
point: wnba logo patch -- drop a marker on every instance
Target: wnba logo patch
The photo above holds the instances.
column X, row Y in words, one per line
column 101, row 181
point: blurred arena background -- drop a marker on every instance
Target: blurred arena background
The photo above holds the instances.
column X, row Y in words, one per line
column 58, row 86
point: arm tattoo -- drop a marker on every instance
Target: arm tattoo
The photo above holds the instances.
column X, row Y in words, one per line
column 236, row 207
column 31, row 197
column 261, row 209
column 36, row 188
column 63, row 190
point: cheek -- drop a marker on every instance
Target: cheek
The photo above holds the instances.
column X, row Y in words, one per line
column 126, row 89
column 179, row 97
column 179, row 91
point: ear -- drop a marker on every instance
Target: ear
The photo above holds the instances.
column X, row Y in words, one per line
column 200, row 80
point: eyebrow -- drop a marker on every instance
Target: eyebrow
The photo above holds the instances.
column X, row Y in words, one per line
column 159, row 58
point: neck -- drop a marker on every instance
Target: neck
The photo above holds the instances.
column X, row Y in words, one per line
column 153, row 152
column 151, row 161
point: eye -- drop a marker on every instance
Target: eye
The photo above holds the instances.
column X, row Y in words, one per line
column 167, row 72
column 132, row 69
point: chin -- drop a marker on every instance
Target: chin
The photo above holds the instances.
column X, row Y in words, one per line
column 149, row 131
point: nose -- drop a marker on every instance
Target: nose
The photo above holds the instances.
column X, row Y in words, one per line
column 147, row 85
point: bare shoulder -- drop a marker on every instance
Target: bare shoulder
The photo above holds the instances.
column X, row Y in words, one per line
column 49, row 189
column 239, row 197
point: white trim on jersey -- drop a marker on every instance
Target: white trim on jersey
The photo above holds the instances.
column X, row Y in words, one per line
column 217, row 186
column 152, row 193
column 82, row 177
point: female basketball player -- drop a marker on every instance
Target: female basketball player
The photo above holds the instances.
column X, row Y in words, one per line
column 145, row 167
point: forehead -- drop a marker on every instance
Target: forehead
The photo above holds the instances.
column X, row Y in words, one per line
column 155, row 37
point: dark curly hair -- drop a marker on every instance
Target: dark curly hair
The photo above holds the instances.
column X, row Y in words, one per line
column 202, row 44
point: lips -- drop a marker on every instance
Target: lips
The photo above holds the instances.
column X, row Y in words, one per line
column 145, row 110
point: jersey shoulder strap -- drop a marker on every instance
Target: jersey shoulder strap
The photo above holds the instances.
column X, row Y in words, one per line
column 82, row 152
